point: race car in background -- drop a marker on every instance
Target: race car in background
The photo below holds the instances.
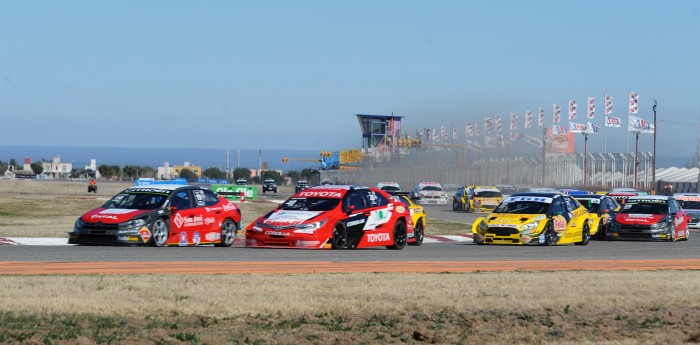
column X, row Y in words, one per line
column 690, row 202
column 484, row 198
column 417, row 216
column 334, row 217
column 429, row 193
column 389, row 187
column 162, row 215
column 601, row 209
column 534, row 218
column 650, row 217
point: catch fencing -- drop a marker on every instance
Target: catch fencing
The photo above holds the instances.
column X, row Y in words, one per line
column 604, row 171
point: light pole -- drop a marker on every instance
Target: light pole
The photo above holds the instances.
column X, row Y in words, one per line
column 653, row 171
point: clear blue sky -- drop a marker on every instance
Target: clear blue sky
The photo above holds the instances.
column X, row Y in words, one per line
column 292, row 74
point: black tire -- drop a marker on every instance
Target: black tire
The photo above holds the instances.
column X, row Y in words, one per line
column 454, row 206
column 672, row 235
column 419, row 234
column 340, row 237
column 585, row 235
column 228, row 233
column 468, row 207
column 602, row 233
column 550, row 236
column 399, row 236
column 160, row 232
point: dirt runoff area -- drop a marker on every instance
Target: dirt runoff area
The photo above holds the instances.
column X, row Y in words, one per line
column 649, row 307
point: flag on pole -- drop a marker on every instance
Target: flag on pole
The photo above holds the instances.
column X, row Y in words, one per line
column 534, row 141
column 468, row 130
column 611, row 121
column 608, row 105
column 634, row 106
column 499, row 123
column 436, row 136
column 572, row 109
column 428, row 134
column 443, row 133
column 540, row 117
column 639, row 125
column 516, row 136
column 513, row 121
column 591, row 128
column 419, row 135
column 591, row 108
column 528, row 119
column 556, row 113
column 477, row 132
column 576, row 127
column 488, row 125
column 559, row 129
column 454, row 133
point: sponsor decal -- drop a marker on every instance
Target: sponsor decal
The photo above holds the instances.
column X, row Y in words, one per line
column 209, row 220
column 529, row 198
column 559, row 224
column 117, row 211
column 183, row 239
column 134, row 239
column 100, row 216
column 400, row 209
column 212, row 236
column 290, row 217
column 320, row 194
column 145, row 234
column 377, row 217
column 526, row 239
column 277, row 233
column 228, row 207
column 681, row 233
column 149, row 190
column 195, row 238
column 356, row 222
column 122, row 238
column 678, row 221
column 378, row 237
column 178, row 220
column 307, row 244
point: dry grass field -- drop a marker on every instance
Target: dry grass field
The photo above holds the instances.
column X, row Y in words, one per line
column 578, row 307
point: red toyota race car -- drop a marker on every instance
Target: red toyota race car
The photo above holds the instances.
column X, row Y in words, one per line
column 337, row 217
column 160, row 215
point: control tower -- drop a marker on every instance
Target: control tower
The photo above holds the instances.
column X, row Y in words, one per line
column 379, row 130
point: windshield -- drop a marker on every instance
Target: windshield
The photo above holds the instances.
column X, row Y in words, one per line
column 645, row 208
column 522, row 207
column 391, row 188
column 590, row 205
column 487, row 194
column 431, row 188
column 690, row 205
column 136, row 201
column 310, row 204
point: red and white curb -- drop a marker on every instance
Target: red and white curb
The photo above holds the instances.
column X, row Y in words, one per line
column 57, row 241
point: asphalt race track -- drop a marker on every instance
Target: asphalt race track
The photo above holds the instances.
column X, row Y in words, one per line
column 597, row 255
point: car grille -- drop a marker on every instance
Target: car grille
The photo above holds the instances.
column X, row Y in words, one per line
column 99, row 228
column 636, row 236
column 635, row 228
column 502, row 231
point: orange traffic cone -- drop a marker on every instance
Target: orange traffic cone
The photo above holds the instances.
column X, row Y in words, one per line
column 242, row 196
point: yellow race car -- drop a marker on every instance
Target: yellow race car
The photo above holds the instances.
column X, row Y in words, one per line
column 417, row 216
column 535, row 218
column 476, row 199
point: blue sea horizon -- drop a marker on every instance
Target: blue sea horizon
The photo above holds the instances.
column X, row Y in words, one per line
column 156, row 157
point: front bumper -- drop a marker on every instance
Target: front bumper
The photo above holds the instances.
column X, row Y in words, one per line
column 622, row 232
column 279, row 239
column 509, row 235
column 104, row 239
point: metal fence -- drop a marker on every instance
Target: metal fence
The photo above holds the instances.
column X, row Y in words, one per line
column 603, row 170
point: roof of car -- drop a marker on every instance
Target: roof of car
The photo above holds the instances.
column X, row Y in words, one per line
column 588, row 196
column 647, row 197
column 545, row 195
column 162, row 186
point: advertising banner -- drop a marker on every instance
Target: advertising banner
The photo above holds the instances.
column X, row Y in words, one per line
column 233, row 192
column 559, row 143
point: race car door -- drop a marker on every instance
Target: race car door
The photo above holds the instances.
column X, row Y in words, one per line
column 187, row 221
column 680, row 219
column 369, row 215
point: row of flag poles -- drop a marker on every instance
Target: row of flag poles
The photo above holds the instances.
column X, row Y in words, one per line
column 494, row 125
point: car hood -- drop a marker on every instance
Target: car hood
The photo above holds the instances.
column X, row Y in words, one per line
column 111, row 215
column 638, row 218
column 512, row 219
column 284, row 217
